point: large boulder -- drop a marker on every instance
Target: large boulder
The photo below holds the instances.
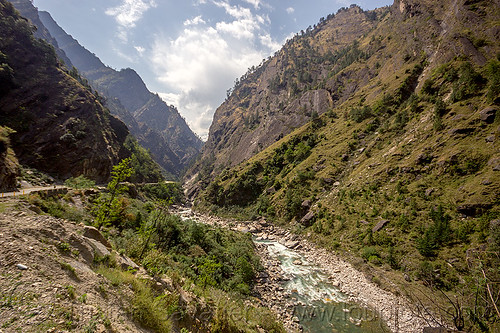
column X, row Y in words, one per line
column 488, row 114
column 93, row 233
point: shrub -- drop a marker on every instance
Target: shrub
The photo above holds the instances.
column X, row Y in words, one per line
column 493, row 75
column 164, row 191
column 79, row 182
column 359, row 114
column 369, row 252
column 436, row 235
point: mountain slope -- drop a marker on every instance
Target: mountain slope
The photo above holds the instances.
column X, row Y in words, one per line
column 28, row 11
column 150, row 114
column 60, row 127
column 398, row 168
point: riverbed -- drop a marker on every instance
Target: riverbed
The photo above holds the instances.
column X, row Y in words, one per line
column 313, row 290
column 318, row 305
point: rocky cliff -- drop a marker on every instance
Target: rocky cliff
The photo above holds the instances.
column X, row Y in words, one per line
column 324, row 66
column 151, row 120
column 60, row 127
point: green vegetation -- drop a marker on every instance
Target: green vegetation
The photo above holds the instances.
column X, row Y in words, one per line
column 80, row 182
column 215, row 267
column 144, row 168
column 109, row 207
column 58, row 208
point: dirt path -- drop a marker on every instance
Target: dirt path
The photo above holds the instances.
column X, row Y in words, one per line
column 31, row 190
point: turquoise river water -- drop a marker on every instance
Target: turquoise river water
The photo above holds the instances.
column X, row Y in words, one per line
column 321, row 307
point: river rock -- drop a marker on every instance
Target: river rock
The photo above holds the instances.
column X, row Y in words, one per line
column 292, row 244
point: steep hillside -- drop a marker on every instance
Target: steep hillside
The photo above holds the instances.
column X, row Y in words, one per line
column 397, row 166
column 287, row 90
column 152, row 121
column 60, row 127
column 28, row 11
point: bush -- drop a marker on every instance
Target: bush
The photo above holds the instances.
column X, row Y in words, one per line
column 468, row 84
column 369, row 252
column 359, row 114
column 493, row 75
column 437, row 235
column 79, row 182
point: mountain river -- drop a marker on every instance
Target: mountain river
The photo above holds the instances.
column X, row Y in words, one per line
column 320, row 306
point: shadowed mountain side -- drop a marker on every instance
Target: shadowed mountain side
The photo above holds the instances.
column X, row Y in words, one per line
column 145, row 107
column 60, row 127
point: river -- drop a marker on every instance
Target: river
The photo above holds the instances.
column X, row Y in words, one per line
column 320, row 306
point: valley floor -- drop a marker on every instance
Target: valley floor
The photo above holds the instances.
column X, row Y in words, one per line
column 396, row 311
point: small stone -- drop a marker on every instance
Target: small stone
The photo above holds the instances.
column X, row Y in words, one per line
column 22, row 267
column 490, row 138
column 379, row 225
column 297, row 262
column 486, row 182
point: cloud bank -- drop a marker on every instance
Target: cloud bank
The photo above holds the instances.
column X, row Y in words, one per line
column 202, row 62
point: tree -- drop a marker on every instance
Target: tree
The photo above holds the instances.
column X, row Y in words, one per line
column 108, row 207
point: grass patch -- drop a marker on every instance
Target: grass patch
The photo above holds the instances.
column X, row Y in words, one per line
column 146, row 306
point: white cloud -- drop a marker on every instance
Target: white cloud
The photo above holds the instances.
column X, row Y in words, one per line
column 202, row 62
column 290, row 10
column 255, row 3
column 195, row 21
column 268, row 42
column 140, row 50
column 128, row 13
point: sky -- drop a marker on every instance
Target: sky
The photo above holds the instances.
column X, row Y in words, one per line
column 189, row 51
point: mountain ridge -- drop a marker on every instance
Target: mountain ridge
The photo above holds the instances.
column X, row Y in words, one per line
column 59, row 125
column 126, row 95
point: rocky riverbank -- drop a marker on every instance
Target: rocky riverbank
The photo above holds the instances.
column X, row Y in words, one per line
column 394, row 310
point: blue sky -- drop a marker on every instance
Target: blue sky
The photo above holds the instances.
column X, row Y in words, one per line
column 189, row 51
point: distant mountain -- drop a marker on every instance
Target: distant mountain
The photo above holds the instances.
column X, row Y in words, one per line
column 59, row 126
column 150, row 119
